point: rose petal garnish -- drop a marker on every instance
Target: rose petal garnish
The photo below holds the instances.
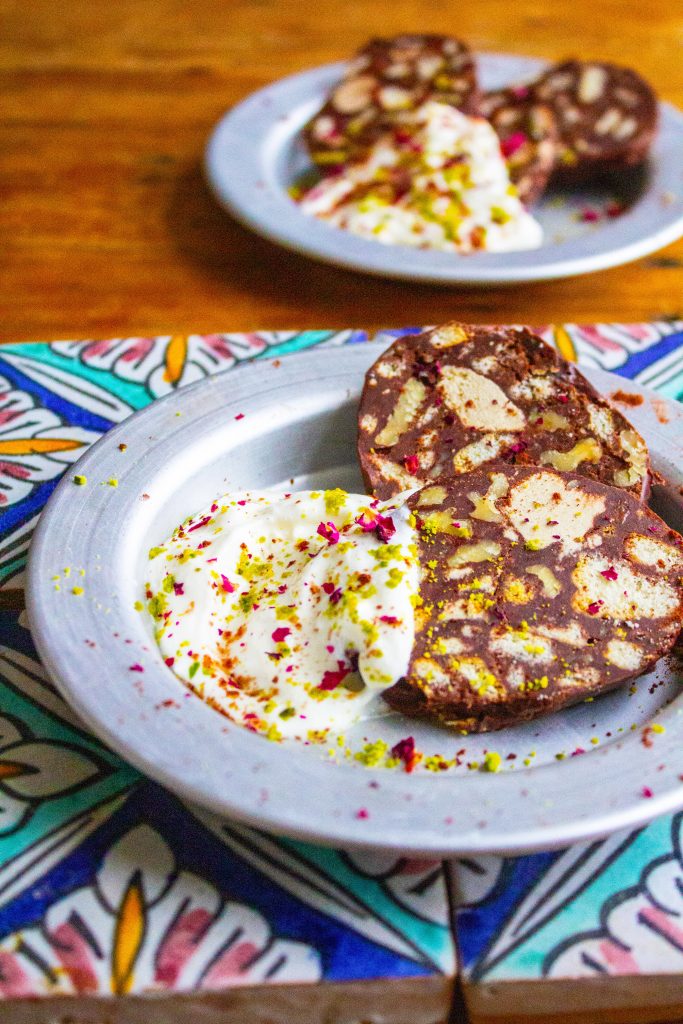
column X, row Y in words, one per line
column 197, row 526
column 411, row 463
column 588, row 215
column 135, row 668
column 332, row 679
column 169, row 661
column 226, row 585
column 385, row 528
column 279, row 634
column 329, row 532
column 610, row 574
column 563, row 398
column 391, row 620
column 383, row 525
column 513, row 142
column 335, row 593
column 366, row 523
column 647, row 792
column 594, row 607
column 404, row 750
column 518, row 446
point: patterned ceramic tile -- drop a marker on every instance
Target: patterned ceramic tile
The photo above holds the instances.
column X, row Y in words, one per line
column 529, row 928
column 109, row 886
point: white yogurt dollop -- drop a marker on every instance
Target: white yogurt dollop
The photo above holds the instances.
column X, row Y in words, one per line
column 440, row 182
column 288, row 612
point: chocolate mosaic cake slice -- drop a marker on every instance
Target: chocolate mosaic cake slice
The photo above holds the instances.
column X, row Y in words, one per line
column 385, row 84
column 538, row 589
column 528, row 135
column 456, row 397
column 607, row 116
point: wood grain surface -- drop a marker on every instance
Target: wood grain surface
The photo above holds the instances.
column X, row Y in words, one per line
column 107, row 227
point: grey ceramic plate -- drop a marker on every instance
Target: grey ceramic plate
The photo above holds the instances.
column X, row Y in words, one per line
column 256, row 153
column 299, row 425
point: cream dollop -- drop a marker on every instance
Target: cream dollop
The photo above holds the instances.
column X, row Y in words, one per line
column 290, row 613
column 440, row 182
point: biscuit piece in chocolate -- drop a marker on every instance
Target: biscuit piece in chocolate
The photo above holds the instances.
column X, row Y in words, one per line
column 456, row 397
column 528, row 135
column 387, row 81
column 538, row 589
column 606, row 116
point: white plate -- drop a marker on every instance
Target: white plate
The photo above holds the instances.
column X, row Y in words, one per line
column 256, row 153
column 299, row 424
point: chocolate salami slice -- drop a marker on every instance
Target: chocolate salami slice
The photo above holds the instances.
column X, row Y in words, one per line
column 456, row 397
column 528, row 135
column 538, row 589
column 387, row 81
column 606, row 115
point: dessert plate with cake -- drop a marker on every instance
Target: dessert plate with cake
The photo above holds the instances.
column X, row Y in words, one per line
column 419, row 160
column 417, row 594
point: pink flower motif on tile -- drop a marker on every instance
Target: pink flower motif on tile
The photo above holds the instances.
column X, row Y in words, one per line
column 641, row 927
column 143, row 925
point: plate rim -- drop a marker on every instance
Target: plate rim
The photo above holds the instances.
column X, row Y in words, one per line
column 348, row 832
column 240, row 184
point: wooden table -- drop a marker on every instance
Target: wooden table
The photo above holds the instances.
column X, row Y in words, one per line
column 108, row 227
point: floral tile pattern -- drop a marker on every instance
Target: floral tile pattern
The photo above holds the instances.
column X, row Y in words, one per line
column 111, row 886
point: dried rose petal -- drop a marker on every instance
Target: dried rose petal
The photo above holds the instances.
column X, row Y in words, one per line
column 385, row 528
column 329, row 532
column 594, row 607
column 610, row 574
column 404, row 750
column 331, row 679
column 366, row 523
column 513, row 142
column 335, row 593
column 411, row 463
column 197, row 526
column 178, row 589
column 135, row 668
column 647, row 792
column 279, row 634
column 589, row 216
column 227, row 586
column 391, row 620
